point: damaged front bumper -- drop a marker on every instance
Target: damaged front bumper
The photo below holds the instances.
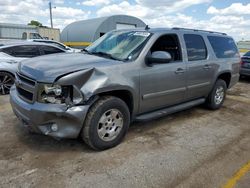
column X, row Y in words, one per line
column 55, row 120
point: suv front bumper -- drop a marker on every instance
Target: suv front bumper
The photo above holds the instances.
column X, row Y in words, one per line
column 56, row 120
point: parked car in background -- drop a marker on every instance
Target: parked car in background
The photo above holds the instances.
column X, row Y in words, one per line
column 124, row 76
column 59, row 44
column 245, row 64
column 12, row 52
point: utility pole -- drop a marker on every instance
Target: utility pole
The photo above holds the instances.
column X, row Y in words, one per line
column 50, row 12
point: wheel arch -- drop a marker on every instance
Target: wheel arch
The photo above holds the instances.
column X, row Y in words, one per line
column 9, row 72
column 124, row 95
column 226, row 76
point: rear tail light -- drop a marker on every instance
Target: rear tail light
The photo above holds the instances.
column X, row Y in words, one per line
column 241, row 62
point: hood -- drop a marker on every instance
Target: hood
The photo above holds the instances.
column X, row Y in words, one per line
column 47, row 68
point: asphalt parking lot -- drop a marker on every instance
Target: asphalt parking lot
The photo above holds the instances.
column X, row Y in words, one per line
column 194, row 148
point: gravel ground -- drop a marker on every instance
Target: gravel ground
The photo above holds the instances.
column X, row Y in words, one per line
column 194, row 148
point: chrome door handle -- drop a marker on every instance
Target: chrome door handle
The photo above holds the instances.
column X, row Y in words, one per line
column 179, row 71
column 206, row 67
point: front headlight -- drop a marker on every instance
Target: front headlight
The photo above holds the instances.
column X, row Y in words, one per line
column 58, row 94
column 55, row 94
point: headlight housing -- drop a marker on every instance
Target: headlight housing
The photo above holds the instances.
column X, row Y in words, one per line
column 55, row 94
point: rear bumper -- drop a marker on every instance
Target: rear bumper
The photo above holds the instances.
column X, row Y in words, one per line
column 245, row 71
column 67, row 122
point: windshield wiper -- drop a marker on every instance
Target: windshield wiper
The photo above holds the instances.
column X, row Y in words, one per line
column 105, row 55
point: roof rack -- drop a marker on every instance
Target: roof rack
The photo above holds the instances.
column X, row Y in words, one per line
column 179, row 28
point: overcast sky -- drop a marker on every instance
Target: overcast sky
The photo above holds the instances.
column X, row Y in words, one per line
column 230, row 16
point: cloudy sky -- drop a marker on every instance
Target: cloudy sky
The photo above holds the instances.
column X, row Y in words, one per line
column 230, row 16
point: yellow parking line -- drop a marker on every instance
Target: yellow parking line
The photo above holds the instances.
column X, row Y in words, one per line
column 237, row 176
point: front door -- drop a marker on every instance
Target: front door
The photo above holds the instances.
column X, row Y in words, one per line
column 163, row 85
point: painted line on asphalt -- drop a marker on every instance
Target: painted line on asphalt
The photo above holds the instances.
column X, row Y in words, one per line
column 237, row 176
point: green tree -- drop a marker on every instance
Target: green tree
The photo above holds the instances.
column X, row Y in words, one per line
column 35, row 23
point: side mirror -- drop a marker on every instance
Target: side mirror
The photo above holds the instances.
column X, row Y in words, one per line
column 159, row 57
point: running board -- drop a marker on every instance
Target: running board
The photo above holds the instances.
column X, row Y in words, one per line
column 169, row 110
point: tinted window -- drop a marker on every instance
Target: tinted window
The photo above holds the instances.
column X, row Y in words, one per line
column 196, row 48
column 22, row 51
column 50, row 50
column 7, row 50
column 223, row 47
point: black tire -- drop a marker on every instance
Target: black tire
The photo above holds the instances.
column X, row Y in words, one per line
column 6, row 81
column 92, row 124
column 212, row 102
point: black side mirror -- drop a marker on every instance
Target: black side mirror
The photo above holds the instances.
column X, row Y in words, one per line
column 158, row 57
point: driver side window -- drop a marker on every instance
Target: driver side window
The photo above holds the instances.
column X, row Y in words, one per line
column 168, row 43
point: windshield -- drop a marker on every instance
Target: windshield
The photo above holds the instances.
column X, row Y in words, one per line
column 247, row 54
column 120, row 45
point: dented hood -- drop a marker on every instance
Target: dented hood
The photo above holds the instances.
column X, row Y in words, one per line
column 48, row 68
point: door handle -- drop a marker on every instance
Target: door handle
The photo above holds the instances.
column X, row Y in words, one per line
column 206, row 67
column 179, row 71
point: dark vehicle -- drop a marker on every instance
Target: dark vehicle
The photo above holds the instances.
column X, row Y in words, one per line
column 245, row 64
column 12, row 52
column 125, row 76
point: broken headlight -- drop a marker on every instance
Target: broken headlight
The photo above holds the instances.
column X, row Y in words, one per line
column 55, row 94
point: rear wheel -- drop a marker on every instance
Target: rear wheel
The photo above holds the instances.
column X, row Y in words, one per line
column 106, row 123
column 217, row 95
column 6, row 81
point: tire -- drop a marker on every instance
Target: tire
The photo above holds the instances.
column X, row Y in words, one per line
column 217, row 96
column 6, row 81
column 106, row 124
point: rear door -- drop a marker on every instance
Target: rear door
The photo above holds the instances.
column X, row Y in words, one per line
column 200, row 71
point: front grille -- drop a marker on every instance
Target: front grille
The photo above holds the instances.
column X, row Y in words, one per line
column 26, row 87
column 26, row 79
column 25, row 93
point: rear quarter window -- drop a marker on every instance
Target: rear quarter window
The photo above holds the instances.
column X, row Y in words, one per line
column 224, row 47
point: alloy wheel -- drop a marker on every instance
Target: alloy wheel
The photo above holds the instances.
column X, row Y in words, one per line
column 110, row 125
column 219, row 95
column 6, row 81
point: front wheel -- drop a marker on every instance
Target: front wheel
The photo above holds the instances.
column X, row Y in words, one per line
column 217, row 96
column 106, row 123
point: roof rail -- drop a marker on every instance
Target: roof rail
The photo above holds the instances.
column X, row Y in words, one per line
column 179, row 28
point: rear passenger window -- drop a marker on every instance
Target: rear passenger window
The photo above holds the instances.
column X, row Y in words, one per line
column 196, row 48
column 50, row 50
column 223, row 47
column 22, row 51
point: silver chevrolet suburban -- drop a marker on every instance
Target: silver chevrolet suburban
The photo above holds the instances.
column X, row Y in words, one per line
column 125, row 76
